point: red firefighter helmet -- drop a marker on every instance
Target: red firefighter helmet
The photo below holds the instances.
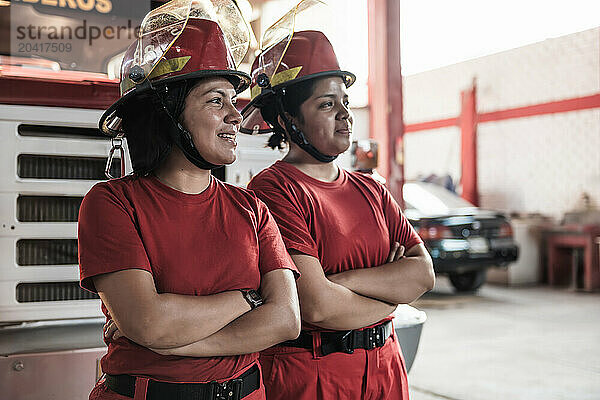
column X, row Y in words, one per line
column 182, row 39
column 288, row 57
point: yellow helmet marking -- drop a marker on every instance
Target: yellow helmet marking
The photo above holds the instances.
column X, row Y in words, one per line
column 284, row 76
column 255, row 91
column 167, row 66
column 278, row 78
column 163, row 67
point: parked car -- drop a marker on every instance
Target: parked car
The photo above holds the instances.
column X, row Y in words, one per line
column 463, row 240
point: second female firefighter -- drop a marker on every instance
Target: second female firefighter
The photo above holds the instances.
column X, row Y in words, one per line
column 358, row 255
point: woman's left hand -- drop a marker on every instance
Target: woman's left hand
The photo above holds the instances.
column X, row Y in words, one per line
column 111, row 330
column 392, row 282
column 396, row 252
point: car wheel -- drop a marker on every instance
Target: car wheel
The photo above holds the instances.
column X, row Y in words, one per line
column 468, row 281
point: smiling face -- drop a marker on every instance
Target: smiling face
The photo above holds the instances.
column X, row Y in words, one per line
column 212, row 119
column 325, row 117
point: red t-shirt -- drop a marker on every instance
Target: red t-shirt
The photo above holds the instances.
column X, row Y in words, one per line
column 347, row 224
column 194, row 244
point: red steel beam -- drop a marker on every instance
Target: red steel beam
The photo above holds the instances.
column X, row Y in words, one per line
column 385, row 91
column 395, row 156
column 377, row 80
column 468, row 138
column 552, row 107
column 425, row 126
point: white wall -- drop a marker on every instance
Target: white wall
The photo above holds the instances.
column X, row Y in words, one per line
column 541, row 164
column 435, row 151
column 535, row 164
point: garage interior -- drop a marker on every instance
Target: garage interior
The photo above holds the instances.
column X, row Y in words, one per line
column 514, row 131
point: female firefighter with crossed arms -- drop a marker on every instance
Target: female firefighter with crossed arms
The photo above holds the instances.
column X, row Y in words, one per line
column 176, row 256
column 358, row 255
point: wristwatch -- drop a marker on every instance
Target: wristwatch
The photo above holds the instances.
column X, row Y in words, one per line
column 252, row 297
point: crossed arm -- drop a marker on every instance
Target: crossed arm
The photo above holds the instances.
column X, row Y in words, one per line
column 357, row 298
column 399, row 281
column 277, row 320
column 202, row 326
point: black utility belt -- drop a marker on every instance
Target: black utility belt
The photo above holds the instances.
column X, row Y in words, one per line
column 345, row 341
column 233, row 389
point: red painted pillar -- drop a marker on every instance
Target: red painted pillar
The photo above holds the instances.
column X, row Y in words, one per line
column 385, row 91
column 468, row 130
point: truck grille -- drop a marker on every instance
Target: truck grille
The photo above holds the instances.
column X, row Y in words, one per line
column 47, row 252
column 52, row 291
column 48, row 208
column 60, row 132
column 64, row 167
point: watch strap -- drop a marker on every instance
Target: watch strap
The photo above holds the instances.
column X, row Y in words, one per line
column 252, row 297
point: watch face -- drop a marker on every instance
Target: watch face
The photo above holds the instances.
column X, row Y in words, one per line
column 254, row 296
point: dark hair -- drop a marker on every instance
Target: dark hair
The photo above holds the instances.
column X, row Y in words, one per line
column 146, row 131
column 149, row 129
column 295, row 95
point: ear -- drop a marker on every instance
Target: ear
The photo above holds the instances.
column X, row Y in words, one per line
column 281, row 122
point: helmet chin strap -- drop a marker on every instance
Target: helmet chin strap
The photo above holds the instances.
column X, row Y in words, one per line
column 183, row 138
column 297, row 136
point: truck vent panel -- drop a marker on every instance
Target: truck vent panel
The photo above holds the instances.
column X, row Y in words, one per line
column 48, row 208
column 47, row 252
column 60, row 132
column 64, row 167
column 52, row 291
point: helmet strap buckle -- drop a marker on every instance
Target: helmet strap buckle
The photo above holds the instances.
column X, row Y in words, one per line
column 116, row 145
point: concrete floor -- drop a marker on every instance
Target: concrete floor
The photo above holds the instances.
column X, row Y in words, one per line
column 508, row 343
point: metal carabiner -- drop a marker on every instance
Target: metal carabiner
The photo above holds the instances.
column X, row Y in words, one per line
column 116, row 144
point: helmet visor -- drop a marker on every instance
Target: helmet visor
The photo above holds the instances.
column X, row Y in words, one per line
column 163, row 25
column 276, row 40
column 229, row 17
column 274, row 44
column 159, row 29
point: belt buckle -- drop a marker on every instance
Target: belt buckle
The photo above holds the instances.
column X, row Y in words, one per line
column 348, row 342
column 375, row 337
column 229, row 390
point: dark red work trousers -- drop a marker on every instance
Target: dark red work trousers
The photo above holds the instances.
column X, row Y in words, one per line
column 298, row 374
